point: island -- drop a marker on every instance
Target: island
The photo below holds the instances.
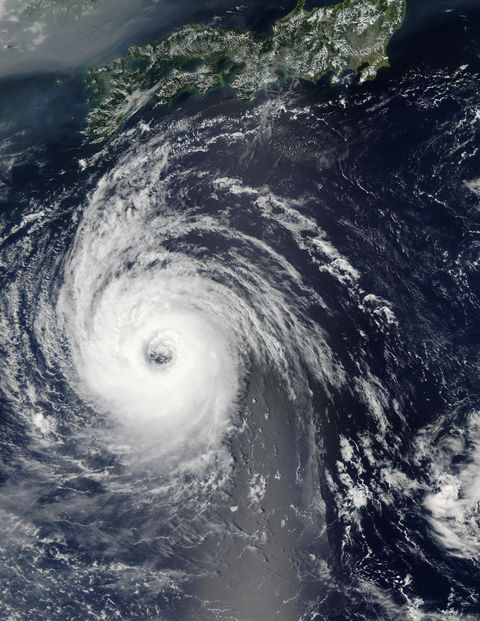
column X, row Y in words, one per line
column 350, row 36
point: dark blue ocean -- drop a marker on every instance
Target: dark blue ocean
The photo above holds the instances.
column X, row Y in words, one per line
column 316, row 254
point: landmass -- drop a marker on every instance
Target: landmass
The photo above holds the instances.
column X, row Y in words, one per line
column 350, row 36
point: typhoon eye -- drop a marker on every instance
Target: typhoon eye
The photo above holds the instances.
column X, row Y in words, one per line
column 160, row 352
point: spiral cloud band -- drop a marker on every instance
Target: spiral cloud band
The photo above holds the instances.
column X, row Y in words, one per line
column 149, row 340
column 164, row 306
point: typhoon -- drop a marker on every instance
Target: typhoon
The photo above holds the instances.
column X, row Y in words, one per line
column 163, row 307
column 166, row 333
column 239, row 312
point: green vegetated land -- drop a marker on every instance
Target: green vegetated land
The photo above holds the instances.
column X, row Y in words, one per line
column 352, row 35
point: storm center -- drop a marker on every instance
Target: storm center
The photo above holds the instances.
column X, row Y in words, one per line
column 159, row 352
